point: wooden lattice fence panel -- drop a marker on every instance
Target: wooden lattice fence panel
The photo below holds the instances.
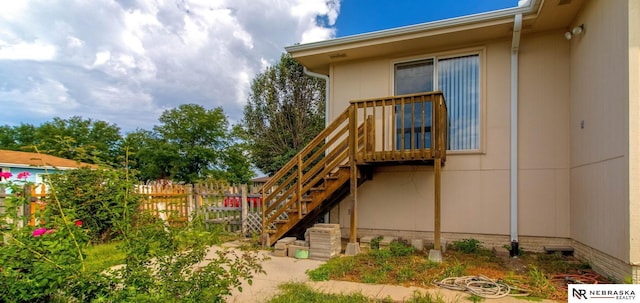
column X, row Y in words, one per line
column 169, row 202
column 234, row 208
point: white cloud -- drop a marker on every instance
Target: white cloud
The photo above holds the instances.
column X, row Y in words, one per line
column 74, row 42
column 125, row 61
column 316, row 34
column 307, row 12
column 36, row 50
column 102, row 58
column 44, row 96
column 12, row 10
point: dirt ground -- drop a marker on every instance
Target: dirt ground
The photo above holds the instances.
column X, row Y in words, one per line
column 545, row 275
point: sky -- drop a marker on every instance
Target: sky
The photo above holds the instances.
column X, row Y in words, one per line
column 127, row 61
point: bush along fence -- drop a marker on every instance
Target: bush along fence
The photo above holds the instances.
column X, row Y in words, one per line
column 237, row 208
column 33, row 193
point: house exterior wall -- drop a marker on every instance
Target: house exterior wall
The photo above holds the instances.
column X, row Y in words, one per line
column 33, row 172
column 543, row 136
column 475, row 185
column 634, row 136
column 602, row 211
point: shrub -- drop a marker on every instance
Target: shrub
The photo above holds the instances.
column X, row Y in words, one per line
column 375, row 242
column 468, row 246
column 162, row 263
column 162, row 266
column 96, row 196
column 401, row 249
column 35, row 262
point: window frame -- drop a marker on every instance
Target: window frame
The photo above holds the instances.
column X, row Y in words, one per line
column 436, row 56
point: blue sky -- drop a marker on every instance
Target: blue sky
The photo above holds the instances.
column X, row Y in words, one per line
column 126, row 61
column 362, row 16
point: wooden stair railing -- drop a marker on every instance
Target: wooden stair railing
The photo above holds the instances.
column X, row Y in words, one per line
column 323, row 167
column 288, row 196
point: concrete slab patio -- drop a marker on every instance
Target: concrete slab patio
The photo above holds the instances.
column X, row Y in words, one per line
column 285, row 269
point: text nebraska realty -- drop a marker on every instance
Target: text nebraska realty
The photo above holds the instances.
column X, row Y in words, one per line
column 605, row 294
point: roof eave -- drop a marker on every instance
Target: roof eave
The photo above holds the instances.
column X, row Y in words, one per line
column 529, row 8
column 15, row 165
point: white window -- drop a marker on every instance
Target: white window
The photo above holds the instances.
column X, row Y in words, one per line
column 458, row 77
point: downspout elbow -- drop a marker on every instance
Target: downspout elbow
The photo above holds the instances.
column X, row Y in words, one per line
column 326, row 92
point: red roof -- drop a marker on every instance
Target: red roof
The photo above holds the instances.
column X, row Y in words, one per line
column 18, row 158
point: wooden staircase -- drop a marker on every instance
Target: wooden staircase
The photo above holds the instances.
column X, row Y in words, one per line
column 342, row 156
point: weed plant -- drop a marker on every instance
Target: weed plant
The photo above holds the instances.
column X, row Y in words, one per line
column 540, row 285
column 300, row 292
column 467, row 246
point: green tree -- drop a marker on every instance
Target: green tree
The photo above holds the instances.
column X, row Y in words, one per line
column 80, row 139
column 196, row 138
column 190, row 144
column 149, row 155
column 18, row 137
column 284, row 112
column 236, row 159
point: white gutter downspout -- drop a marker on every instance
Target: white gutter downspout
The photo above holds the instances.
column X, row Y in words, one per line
column 326, row 107
column 515, row 44
column 326, row 92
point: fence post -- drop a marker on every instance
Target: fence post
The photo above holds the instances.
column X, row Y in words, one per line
column 197, row 199
column 26, row 207
column 191, row 201
column 245, row 209
column 3, row 196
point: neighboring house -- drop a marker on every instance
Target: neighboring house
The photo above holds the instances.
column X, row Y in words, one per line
column 544, row 130
column 257, row 183
column 35, row 164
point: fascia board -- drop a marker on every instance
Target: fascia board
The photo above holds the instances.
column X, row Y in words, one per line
column 532, row 7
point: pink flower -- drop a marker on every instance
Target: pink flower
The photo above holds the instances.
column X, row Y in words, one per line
column 78, row 223
column 39, row 232
column 50, row 231
column 24, row 175
column 5, row 174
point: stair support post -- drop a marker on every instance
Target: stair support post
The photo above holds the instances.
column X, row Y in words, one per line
column 299, row 186
column 353, row 248
column 436, row 209
column 353, row 174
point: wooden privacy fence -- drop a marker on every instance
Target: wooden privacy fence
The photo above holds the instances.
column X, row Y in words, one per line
column 171, row 203
column 235, row 208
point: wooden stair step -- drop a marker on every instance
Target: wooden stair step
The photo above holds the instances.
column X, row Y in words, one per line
column 295, row 211
column 281, row 221
column 318, row 188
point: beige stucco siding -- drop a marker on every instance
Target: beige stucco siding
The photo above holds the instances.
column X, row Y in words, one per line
column 475, row 186
column 360, row 80
column 600, row 101
column 634, row 130
column 543, row 136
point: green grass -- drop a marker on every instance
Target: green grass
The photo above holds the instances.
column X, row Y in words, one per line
column 102, row 256
column 300, row 292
